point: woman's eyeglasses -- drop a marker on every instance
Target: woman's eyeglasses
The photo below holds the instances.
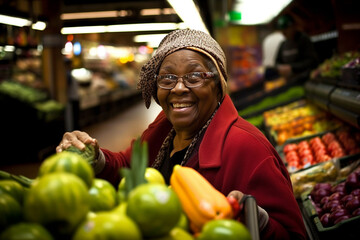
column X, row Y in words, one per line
column 190, row 80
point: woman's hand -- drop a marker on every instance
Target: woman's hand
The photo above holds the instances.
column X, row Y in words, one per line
column 284, row 70
column 236, row 194
column 263, row 216
column 79, row 140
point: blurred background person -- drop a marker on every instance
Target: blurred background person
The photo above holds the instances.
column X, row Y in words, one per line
column 296, row 56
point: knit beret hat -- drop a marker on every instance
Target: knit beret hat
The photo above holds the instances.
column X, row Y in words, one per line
column 176, row 40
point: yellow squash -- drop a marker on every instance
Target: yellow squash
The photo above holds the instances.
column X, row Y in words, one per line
column 200, row 200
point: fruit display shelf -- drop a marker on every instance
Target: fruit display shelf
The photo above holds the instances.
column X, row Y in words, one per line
column 347, row 229
column 296, row 120
column 332, row 210
column 332, row 170
column 304, row 152
column 343, row 102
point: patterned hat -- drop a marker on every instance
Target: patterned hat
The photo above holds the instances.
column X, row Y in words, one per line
column 176, row 40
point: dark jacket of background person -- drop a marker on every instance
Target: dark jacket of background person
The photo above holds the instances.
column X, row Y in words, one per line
column 299, row 53
column 296, row 51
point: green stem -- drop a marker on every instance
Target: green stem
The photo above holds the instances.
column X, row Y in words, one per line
column 24, row 181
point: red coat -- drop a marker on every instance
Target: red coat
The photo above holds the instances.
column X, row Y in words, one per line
column 233, row 155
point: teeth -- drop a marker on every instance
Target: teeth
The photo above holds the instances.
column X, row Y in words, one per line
column 181, row 105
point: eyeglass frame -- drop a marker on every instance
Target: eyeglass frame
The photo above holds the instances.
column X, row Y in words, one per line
column 208, row 75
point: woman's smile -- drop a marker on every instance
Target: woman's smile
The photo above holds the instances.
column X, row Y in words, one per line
column 187, row 108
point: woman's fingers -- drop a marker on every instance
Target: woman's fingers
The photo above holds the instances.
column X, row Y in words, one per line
column 236, row 194
column 77, row 139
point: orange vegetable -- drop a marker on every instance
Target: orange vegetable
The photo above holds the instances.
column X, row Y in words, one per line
column 200, row 200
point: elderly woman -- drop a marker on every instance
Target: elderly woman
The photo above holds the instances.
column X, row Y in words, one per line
column 199, row 127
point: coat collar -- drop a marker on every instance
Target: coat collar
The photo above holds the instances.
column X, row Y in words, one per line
column 212, row 144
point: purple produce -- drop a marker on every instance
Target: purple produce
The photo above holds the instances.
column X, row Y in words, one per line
column 329, row 205
column 346, row 198
column 339, row 188
column 320, row 193
column 338, row 213
column 352, row 181
column 325, row 220
column 324, row 200
column 356, row 192
column 336, row 196
column 353, row 204
column 356, row 212
column 342, row 218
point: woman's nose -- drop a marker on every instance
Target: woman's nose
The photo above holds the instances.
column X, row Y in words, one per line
column 180, row 85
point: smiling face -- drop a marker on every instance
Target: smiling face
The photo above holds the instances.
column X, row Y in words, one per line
column 188, row 109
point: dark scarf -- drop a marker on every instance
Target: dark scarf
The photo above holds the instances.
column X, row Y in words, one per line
column 164, row 152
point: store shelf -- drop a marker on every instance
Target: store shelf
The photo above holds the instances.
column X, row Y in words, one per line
column 346, row 115
column 346, row 98
column 342, row 102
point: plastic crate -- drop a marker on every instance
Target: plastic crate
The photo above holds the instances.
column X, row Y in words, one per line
column 347, row 229
column 280, row 149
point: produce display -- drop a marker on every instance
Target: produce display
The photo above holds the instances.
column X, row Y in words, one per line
column 332, row 67
column 350, row 72
column 273, row 101
column 66, row 201
column 297, row 119
column 47, row 109
column 336, row 169
column 22, row 92
column 339, row 202
column 321, row 148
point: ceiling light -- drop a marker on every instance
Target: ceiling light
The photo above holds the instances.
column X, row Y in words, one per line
column 157, row 11
column 14, row 21
column 142, row 27
column 39, row 25
column 188, row 12
column 252, row 14
column 114, row 14
column 82, row 30
column 123, row 28
column 85, row 15
column 9, row 48
column 152, row 40
column 21, row 22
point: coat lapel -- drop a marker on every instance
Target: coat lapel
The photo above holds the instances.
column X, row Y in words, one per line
column 212, row 144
